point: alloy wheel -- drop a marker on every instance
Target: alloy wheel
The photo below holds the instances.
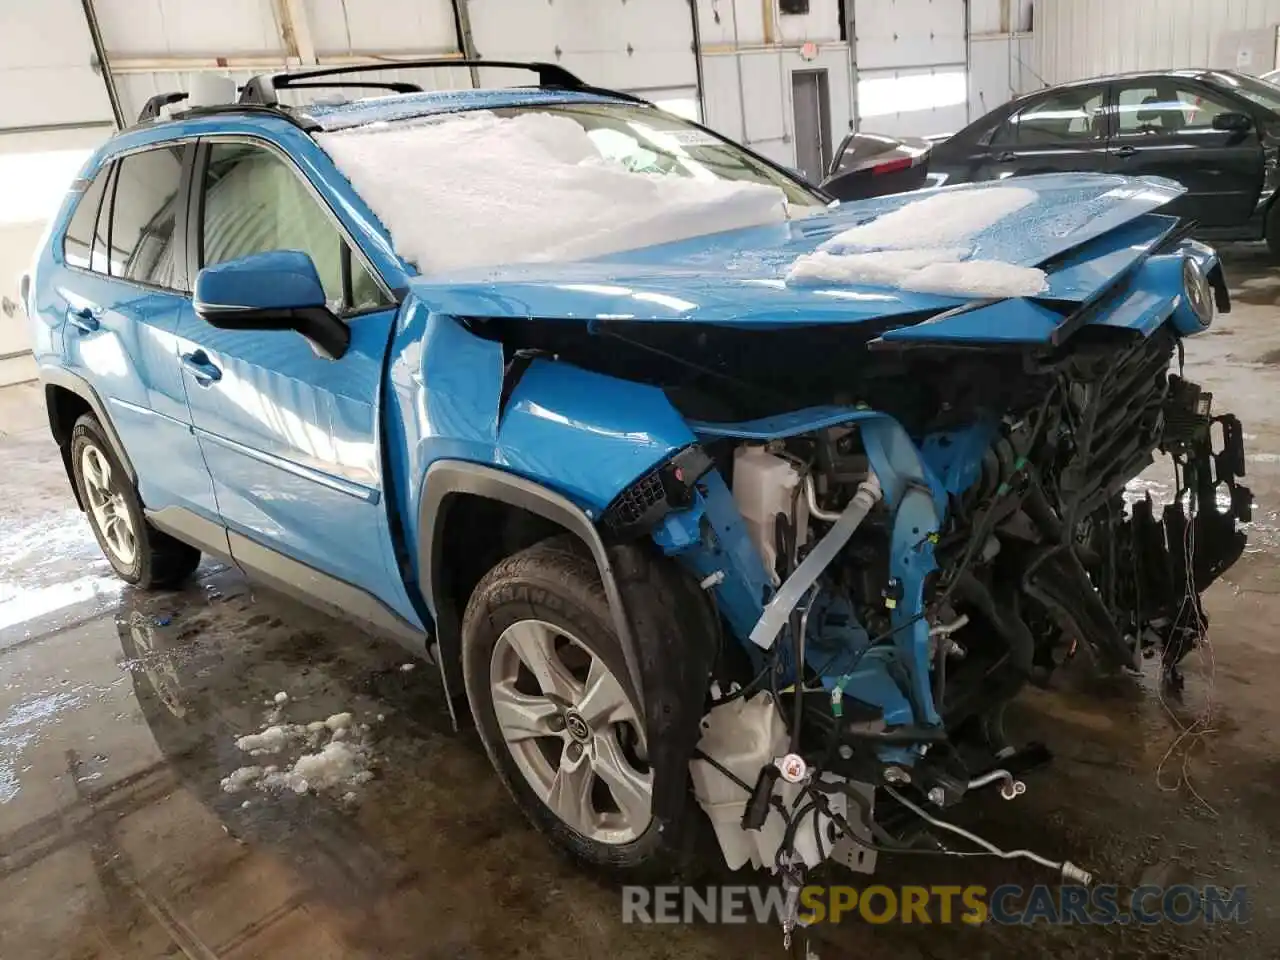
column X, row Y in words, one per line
column 107, row 506
column 573, row 731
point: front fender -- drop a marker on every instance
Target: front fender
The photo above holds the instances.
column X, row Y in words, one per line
column 585, row 434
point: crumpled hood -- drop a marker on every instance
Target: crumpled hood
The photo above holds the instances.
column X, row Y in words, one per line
column 739, row 277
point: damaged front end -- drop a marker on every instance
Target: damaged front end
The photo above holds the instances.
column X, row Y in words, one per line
column 903, row 507
column 895, row 569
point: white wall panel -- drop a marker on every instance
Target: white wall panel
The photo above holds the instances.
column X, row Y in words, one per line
column 45, row 72
column 999, row 70
column 632, row 45
column 724, row 23
column 1075, row 39
column 1000, row 16
column 224, row 28
column 909, row 33
column 381, row 26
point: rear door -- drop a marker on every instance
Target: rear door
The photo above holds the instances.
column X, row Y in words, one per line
column 122, row 287
column 1064, row 131
column 291, row 437
column 1164, row 127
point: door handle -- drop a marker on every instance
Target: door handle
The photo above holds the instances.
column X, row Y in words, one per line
column 85, row 319
column 1124, row 152
column 1007, row 157
column 201, row 368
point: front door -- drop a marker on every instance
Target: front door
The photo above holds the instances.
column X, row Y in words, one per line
column 291, row 438
column 1165, row 128
column 1064, row 132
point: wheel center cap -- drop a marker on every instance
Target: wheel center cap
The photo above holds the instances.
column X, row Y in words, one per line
column 577, row 727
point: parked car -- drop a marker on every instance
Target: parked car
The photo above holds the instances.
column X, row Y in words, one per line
column 872, row 165
column 750, row 527
column 1217, row 133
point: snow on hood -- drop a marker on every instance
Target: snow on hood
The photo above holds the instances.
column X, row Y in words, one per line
column 925, row 247
column 478, row 190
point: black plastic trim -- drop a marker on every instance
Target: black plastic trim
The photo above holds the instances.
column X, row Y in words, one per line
column 60, row 377
column 450, row 478
column 291, row 577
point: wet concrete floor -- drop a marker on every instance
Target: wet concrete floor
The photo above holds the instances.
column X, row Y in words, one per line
column 119, row 713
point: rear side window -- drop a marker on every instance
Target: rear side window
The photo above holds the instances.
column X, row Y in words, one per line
column 145, row 216
column 77, row 245
column 1070, row 115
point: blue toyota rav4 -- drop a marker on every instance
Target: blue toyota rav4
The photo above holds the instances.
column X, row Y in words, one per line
column 748, row 524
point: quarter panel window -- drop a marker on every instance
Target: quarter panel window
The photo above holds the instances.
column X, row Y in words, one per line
column 145, row 216
column 255, row 202
column 77, row 244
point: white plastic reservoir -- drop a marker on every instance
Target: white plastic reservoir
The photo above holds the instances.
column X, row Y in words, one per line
column 765, row 485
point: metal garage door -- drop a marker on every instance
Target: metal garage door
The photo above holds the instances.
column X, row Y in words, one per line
column 911, row 60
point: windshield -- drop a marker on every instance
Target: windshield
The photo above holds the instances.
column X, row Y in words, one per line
column 1258, row 92
column 646, row 140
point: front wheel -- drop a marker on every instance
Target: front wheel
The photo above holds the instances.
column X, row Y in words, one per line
column 138, row 552
column 549, row 691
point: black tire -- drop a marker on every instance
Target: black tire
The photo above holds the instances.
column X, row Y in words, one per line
column 157, row 560
column 557, row 582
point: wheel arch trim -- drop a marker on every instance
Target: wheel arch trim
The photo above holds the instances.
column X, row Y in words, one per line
column 74, row 383
column 446, row 479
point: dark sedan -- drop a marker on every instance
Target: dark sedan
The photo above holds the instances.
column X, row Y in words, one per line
column 871, row 165
column 1217, row 133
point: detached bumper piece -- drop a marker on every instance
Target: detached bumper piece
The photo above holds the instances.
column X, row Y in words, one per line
column 1197, row 537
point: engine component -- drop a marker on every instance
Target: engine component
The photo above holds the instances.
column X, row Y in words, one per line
column 819, row 558
column 764, row 485
column 744, row 736
column 1069, row 871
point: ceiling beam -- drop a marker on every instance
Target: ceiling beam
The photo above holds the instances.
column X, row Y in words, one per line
column 295, row 31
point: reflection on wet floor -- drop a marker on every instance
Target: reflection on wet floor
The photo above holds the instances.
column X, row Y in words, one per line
column 122, row 713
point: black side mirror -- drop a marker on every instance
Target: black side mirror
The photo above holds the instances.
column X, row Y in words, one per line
column 1233, row 122
column 278, row 290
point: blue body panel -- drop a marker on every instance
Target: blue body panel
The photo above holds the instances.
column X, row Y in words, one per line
column 293, row 450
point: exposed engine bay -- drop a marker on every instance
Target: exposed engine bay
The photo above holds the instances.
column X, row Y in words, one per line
column 895, row 590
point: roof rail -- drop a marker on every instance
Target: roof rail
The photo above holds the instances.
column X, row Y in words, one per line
column 151, row 109
column 262, row 89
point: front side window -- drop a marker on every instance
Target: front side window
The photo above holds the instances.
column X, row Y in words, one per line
column 1070, row 115
column 1163, row 108
column 255, row 202
column 144, row 216
column 77, row 245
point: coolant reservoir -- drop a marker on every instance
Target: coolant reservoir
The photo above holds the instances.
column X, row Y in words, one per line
column 764, row 485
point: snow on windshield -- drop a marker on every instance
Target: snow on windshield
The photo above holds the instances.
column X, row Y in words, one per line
column 925, row 246
column 478, row 190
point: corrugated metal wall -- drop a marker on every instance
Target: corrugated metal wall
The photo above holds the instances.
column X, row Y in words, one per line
column 1075, row 39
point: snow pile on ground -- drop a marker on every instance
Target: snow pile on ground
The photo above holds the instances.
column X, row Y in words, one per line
column 476, row 190
column 923, row 246
column 341, row 762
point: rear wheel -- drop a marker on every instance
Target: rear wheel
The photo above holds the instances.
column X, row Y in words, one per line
column 137, row 551
column 549, row 690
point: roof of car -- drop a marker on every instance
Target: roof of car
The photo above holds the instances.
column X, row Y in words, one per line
column 1187, row 74
column 406, row 106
